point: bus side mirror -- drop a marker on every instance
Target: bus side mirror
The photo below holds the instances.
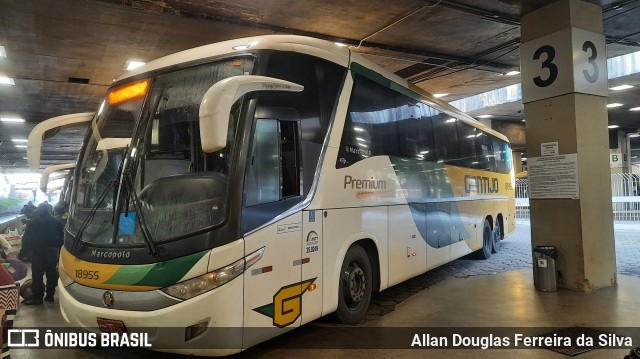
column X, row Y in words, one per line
column 44, row 179
column 34, row 144
column 217, row 101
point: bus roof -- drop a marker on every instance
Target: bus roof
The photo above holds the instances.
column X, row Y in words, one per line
column 330, row 51
column 321, row 48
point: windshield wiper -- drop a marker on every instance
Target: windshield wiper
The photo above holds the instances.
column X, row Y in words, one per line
column 146, row 235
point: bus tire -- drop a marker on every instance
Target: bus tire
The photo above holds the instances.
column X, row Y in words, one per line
column 487, row 242
column 354, row 291
column 497, row 237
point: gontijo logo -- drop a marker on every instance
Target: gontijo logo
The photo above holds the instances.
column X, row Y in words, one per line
column 480, row 184
column 287, row 303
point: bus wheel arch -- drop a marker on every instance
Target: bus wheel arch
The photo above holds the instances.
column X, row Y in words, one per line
column 356, row 282
column 372, row 251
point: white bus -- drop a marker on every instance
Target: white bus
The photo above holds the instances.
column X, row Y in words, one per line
column 254, row 185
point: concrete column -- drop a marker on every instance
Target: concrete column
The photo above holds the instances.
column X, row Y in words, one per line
column 564, row 81
column 517, row 162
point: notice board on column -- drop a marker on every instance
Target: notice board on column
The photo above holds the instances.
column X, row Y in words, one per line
column 554, row 177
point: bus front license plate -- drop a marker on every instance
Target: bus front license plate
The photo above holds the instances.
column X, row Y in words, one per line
column 111, row 326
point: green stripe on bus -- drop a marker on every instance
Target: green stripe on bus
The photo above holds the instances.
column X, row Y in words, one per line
column 356, row 68
column 170, row 272
column 129, row 274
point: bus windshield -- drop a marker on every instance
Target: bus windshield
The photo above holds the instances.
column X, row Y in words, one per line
column 167, row 187
column 104, row 150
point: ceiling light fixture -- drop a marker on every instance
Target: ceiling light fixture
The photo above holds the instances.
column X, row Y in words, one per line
column 615, row 104
column 19, row 140
column 620, row 88
column 133, row 64
column 4, row 80
column 634, row 109
column 512, row 73
column 244, row 47
column 20, row 146
column 438, row 95
column 3, row 53
column 485, row 116
column 11, row 119
column 613, row 126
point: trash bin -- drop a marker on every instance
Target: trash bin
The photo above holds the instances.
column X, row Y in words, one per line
column 544, row 268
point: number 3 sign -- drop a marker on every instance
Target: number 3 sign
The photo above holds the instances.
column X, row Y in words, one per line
column 570, row 60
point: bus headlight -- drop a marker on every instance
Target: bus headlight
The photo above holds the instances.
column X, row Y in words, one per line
column 64, row 277
column 206, row 282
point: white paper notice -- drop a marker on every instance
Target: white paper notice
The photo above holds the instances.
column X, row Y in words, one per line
column 554, row 177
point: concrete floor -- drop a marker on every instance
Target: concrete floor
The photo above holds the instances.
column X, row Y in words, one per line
column 506, row 300
column 504, row 303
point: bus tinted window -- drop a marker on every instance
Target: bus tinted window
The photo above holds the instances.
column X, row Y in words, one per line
column 446, row 138
column 484, row 152
column 381, row 121
column 502, row 155
column 467, row 141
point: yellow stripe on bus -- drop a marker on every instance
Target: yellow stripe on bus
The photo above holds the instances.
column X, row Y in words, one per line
column 94, row 274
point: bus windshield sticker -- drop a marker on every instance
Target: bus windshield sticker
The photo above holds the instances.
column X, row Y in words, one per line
column 127, row 223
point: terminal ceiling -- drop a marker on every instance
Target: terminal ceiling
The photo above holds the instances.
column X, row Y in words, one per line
column 63, row 54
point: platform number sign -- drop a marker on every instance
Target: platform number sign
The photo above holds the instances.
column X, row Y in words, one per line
column 547, row 64
column 590, row 47
column 571, row 60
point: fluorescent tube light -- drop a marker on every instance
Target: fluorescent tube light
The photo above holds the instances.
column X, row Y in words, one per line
column 132, row 64
column 11, row 119
column 621, row 87
column 6, row 81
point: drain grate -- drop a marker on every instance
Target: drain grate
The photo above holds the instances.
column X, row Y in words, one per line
column 574, row 333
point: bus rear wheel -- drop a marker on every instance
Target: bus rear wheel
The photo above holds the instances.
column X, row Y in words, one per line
column 497, row 237
column 354, row 292
column 487, row 242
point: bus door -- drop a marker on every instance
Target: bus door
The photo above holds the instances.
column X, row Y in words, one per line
column 273, row 286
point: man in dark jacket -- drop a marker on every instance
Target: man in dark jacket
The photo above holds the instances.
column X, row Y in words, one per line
column 28, row 209
column 43, row 236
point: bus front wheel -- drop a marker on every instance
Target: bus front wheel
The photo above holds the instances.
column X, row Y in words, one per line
column 354, row 292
